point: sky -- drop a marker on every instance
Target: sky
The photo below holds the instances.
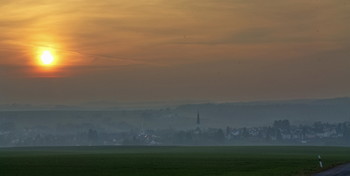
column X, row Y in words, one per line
column 173, row 51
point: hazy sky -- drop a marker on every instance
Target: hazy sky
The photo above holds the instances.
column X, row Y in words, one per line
column 181, row 50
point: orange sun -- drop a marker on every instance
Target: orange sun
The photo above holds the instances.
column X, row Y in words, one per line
column 46, row 62
column 47, row 58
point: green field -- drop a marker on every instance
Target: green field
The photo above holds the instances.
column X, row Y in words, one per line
column 164, row 161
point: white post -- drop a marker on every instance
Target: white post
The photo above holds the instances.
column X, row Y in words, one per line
column 320, row 160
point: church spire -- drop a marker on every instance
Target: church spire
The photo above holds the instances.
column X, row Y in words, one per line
column 198, row 129
column 198, row 119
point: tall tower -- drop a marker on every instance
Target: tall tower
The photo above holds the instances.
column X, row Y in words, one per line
column 198, row 122
column 198, row 119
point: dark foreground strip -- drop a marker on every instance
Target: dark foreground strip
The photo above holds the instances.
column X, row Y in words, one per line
column 342, row 170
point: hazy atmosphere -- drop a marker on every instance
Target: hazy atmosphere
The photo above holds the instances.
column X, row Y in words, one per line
column 175, row 87
column 173, row 51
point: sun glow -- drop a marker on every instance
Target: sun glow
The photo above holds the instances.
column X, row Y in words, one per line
column 47, row 58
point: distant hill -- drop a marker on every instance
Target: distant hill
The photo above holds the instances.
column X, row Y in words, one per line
column 265, row 112
column 237, row 114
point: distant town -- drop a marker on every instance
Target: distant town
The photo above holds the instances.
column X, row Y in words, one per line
column 281, row 132
column 296, row 122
